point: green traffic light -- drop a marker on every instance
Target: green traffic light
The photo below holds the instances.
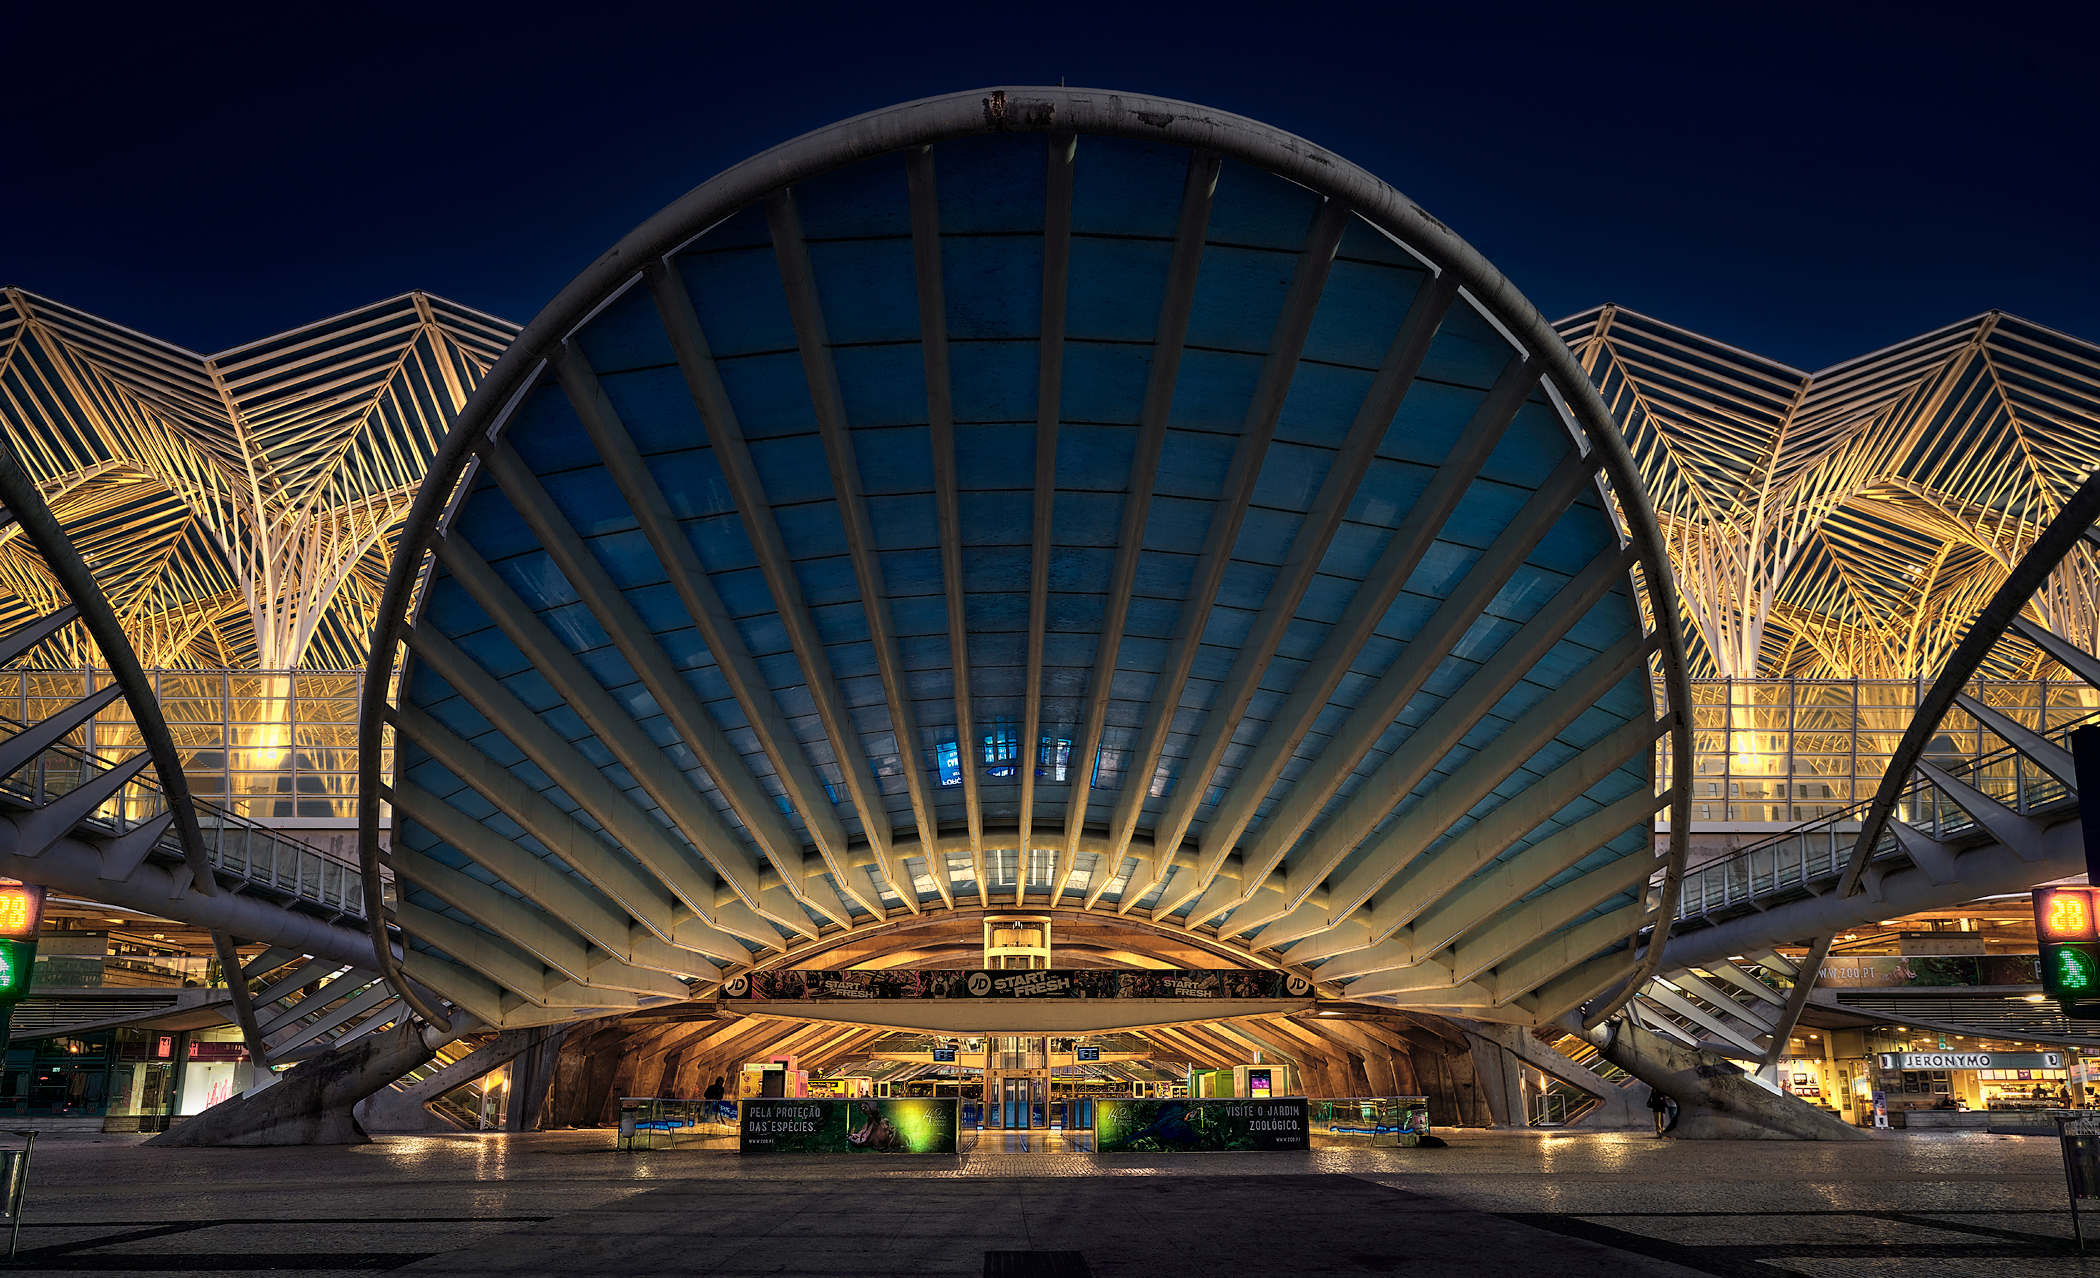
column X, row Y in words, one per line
column 2074, row 970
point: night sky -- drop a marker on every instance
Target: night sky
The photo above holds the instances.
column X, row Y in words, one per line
column 1805, row 186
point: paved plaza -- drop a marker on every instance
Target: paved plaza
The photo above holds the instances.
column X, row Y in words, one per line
column 566, row 1203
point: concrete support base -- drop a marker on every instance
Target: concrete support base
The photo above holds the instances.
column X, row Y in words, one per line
column 1500, row 1053
column 407, row 1109
column 1715, row 1099
column 313, row 1103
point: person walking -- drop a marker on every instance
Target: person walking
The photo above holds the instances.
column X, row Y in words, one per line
column 714, row 1089
column 1661, row 1105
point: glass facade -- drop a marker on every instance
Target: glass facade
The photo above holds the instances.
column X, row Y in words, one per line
column 129, row 1075
column 1783, row 751
column 261, row 745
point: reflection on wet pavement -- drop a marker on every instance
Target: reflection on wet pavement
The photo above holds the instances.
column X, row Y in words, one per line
column 1899, row 1205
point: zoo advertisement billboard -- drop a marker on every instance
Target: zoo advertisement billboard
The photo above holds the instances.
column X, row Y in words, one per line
column 827, row 1125
column 1139, row 1125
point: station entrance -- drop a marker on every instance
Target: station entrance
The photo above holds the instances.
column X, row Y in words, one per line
column 1032, row 1029
column 1017, row 1086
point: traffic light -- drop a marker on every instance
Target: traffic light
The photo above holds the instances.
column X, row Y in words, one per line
column 21, row 910
column 2067, row 923
column 21, row 914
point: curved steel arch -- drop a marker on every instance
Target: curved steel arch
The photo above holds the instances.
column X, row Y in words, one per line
column 2072, row 525
column 26, row 505
column 547, row 353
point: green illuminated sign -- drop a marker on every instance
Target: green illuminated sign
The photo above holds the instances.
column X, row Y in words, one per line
column 1143, row 1125
column 17, row 966
column 824, row 1125
column 2071, row 970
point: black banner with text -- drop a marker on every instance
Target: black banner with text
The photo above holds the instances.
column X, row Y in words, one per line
column 906, row 983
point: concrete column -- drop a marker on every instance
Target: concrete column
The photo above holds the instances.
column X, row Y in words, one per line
column 532, row 1074
column 1501, row 1082
column 407, row 1109
column 1512, row 1048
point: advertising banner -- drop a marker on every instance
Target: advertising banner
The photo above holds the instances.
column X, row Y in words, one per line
column 824, row 1125
column 1887, row 971
column 911, row 983
column 1136, row 1125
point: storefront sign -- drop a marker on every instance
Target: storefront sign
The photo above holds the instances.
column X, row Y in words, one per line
column 1972, row 1060
column 905, row 983
column 1132, row 1125
column 820, row 1125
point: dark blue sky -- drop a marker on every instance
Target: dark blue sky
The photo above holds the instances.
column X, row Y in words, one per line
column 1807, row 186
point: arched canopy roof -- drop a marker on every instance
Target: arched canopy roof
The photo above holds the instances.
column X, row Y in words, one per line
column 1039, row 497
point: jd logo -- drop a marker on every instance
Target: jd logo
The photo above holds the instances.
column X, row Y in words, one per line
column 1298, row 987
column 736, row 986
column 980, row 984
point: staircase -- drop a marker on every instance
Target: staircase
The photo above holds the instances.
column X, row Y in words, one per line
column 306, row 1005
column 1736, row 1007
column 1561, row 1103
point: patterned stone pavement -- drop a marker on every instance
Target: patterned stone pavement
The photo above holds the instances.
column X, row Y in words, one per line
column 1494, row 1202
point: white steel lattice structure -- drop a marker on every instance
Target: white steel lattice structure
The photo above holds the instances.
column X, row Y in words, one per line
column 238, row 509
column 1847, row 523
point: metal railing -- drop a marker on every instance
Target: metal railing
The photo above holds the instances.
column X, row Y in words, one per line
column 1822, row 849
column 1377, row 1120
column 252, row 854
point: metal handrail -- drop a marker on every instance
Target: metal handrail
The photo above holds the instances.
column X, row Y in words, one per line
column 1788, row 860
column 234, row 846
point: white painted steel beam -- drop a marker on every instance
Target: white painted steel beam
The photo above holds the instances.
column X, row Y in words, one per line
column 814, row 340
column 940, row 417
column 1286, row 344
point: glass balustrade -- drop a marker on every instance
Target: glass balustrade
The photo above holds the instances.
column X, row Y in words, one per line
column 1962, row 748
column 268, row 746
column 238, row 848
column 1782, row 751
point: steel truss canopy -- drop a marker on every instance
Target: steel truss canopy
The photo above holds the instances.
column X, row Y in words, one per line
column 1848, row 523
column 1044, row 498
column 238, row 509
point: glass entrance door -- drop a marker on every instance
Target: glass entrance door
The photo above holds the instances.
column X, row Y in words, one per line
column 1019, row 1102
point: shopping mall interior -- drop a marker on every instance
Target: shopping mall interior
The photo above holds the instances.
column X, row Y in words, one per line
column 1064, row 635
